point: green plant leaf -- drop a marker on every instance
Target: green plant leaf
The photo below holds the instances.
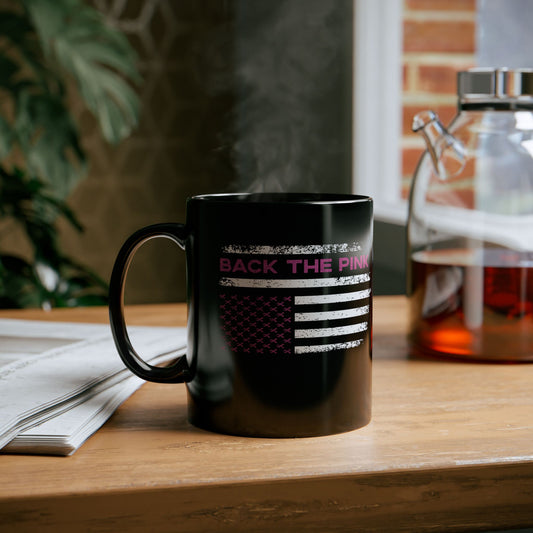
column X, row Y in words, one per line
column 22, row 49
column 26, row 201
column 14, row 26
column 8, row 69
column 6, row 138
column 18, row 285
column 49, row 139
column 97, row 56
column 43, row 44
column 52, row 279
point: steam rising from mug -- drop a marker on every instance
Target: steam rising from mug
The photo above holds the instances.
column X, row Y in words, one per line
column 292, row 116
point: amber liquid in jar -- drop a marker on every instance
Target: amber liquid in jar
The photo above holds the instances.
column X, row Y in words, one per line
column 472, row 304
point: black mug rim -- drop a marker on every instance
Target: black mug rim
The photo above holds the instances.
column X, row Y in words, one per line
column 282, row 197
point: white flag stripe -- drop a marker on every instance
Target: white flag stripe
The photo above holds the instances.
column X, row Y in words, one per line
column 292, row 250
column 327, row 347
column 332, row 298
column 331, row 315
column 294, row 283
column 330, row 332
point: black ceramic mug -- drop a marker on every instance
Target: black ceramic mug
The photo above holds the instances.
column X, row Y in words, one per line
column 279, row 312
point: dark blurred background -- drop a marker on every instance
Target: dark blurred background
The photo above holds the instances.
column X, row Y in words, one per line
column 236, row 95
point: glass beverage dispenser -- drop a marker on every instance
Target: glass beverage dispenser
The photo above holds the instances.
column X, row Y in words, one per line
column 470, row 228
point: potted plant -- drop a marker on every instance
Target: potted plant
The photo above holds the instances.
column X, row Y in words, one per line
column 48, row 50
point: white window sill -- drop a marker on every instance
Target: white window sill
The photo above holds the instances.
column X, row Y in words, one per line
column 377, row 106
column 391, row 213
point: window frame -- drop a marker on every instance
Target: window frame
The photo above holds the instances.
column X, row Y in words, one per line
column 377, row 106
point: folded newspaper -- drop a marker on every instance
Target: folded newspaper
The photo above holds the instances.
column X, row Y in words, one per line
column 59, row 382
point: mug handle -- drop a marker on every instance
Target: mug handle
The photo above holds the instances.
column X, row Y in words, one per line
column 179, row 371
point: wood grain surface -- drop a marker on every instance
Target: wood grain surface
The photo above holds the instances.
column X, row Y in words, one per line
column 449, row 448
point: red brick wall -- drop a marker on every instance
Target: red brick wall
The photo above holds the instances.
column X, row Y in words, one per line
column 439, row 40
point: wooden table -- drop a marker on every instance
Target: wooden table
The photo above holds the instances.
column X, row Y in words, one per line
column 449, row 448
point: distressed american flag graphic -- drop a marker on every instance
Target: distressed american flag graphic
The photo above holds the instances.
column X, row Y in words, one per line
column 274, row 300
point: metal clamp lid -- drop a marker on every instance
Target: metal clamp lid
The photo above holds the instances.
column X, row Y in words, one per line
column 480, row 85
